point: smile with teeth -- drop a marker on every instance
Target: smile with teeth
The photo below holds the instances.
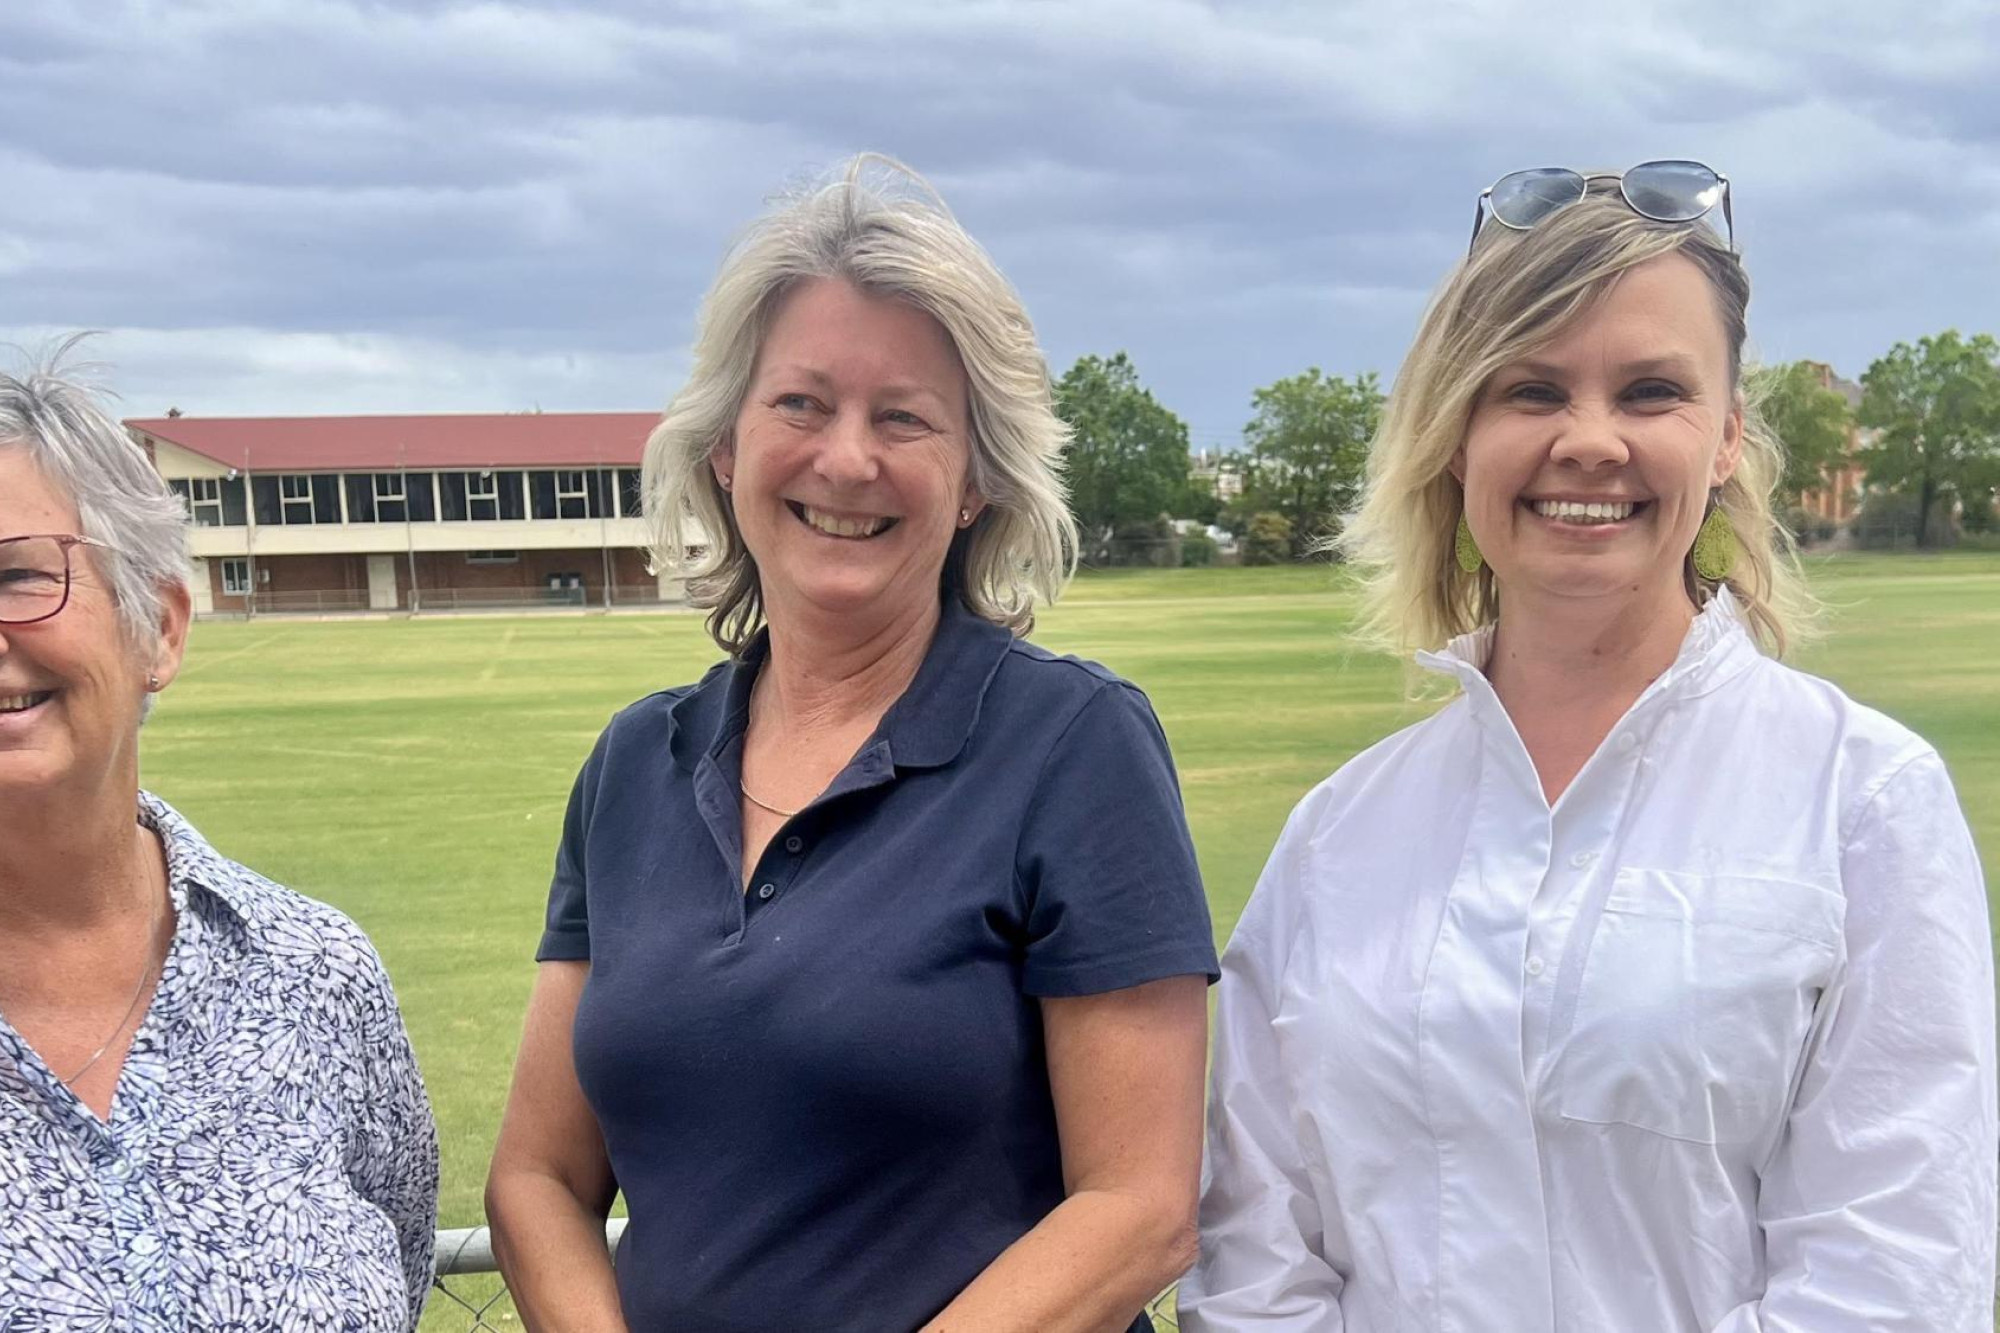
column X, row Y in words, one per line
column 21, row 703
column 833, row 525
column 1577, row 511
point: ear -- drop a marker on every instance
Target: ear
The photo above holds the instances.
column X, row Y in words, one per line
column 722, row 459
column 1731, row 451
column 972, row 504
column 176, row 611
column 1456, row 466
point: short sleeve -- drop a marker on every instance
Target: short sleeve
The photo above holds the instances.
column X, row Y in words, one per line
column 566, row 932
column 1114, row 896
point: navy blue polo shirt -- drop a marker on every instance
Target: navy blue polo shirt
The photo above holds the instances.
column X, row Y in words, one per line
column 827, row 1099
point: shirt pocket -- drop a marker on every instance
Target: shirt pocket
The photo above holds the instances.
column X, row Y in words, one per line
column 1695, row 1002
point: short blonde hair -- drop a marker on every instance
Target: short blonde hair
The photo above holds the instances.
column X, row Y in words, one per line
column 881, row 227
column 1515, row 293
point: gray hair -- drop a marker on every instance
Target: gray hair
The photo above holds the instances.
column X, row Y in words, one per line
column 53, row 413
column 891, row 236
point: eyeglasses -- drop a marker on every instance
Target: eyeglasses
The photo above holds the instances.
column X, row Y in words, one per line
column 1671, row 191
column 35, row 576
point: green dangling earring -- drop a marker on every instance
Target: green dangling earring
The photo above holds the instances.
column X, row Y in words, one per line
column 1715, row 548
column 1466, row 549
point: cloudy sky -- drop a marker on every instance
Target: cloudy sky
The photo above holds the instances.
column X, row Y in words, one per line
column 325, row 206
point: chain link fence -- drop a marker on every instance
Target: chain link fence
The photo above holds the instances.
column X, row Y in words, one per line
column 467, row 1295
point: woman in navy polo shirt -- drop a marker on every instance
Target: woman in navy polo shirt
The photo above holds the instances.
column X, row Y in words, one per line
column 875, row 961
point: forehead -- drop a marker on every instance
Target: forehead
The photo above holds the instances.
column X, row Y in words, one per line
column 29, row 500
column 1663, row 309
column 835, row 330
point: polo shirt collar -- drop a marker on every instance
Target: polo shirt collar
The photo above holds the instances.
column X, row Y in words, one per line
column 926, row 728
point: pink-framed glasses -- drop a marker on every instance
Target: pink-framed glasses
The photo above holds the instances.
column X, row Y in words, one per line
column 35, row 575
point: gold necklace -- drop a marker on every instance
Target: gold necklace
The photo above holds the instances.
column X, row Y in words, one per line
column 145, row 975
column 751, row 797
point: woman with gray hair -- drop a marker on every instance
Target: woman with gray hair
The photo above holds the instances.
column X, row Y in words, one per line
column 875, row 962
column 209, row 1112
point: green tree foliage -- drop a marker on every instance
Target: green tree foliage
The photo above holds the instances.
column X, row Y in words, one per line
column 1308, row 449
column 1128, row 455
column 1267, row 539
column 1811, row 420
column 1935, row 408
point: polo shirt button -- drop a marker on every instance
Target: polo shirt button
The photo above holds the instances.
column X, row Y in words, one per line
column 765, row 891
column 795, row 844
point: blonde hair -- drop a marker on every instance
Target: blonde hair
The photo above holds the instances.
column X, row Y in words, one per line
column 1514, row 294
column 881, row 227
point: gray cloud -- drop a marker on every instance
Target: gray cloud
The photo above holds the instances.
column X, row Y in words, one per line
column 326, row 205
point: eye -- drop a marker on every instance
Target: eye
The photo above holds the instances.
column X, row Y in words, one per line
column 898, row 416
column 1534, row 393
column 1654, row 392
column 794, row 402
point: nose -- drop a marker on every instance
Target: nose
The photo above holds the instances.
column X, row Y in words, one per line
column 1588, row 437
column 847, row 446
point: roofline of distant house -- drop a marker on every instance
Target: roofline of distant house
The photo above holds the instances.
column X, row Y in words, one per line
column 432, row 441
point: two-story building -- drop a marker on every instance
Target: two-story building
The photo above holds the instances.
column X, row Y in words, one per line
column 410, row 512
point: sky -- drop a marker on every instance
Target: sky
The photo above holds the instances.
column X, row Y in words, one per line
column 330, row 206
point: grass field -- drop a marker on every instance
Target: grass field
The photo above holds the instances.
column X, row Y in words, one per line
column 413, row 773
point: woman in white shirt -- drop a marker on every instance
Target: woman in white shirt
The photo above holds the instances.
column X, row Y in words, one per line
column 1647, row 986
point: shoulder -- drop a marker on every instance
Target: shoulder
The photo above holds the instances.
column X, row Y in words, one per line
column 1818, row 729
column 309, row 947
column 1031, row 679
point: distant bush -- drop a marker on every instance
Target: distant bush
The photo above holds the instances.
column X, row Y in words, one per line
column 1267, row 539
column 1197, row 549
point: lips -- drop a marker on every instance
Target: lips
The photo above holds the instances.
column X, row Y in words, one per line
column 847, row 527
column 1586, row 512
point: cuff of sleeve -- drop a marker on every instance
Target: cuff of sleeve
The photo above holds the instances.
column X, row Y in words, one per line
column 563, row 946
column 1178, row 960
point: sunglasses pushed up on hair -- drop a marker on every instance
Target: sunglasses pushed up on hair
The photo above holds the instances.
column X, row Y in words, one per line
column 1666, row 191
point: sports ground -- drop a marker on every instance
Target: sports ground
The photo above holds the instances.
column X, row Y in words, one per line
column 414, row 772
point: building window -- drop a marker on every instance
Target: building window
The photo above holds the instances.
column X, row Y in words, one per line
column 390, row 504
column 572, row 495
column 296, row 492
column 629, row 498
column 482, row 495
column 235, row 578
column 492, row 557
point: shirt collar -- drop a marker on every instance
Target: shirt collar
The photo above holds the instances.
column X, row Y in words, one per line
column 926, row 728
column 192, row 862
column 1717, row 646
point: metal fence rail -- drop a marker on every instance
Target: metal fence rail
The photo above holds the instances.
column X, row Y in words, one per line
column 468, row 1251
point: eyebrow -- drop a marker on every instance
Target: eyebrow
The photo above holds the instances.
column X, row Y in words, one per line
column 899, row 389
column 1674, row 364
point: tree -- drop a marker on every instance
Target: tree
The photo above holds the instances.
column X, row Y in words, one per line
column 1308, row 449
column 1811, row 420
column 1128, row 455
column 1935, row 409
column 1267, row 539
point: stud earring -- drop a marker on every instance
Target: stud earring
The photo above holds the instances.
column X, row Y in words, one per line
column 1715, row 548
column 152, row 683
column 964, row 517
column 1466, row 549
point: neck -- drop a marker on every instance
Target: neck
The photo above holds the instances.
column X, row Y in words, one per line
column 1575, row 653
column 831, row 672
column 71, row 864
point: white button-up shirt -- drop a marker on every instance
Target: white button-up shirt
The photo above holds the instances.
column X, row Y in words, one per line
column 1706, row 1048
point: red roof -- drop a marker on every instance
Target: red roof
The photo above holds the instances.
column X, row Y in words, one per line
column 376, row 444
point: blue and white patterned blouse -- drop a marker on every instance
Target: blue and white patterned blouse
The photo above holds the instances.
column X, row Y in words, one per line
column 270, row 1161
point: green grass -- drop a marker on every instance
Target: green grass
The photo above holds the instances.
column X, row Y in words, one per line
column 413, row 773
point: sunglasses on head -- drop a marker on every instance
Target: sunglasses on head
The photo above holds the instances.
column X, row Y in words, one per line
column 1672, row 191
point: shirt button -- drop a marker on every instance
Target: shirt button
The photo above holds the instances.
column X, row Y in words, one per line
column 144, row 1244
column 1582, row 859
column 1534, row 967
column 120, row 1168
column 795, row 844
column 1626, row 740
column 765, row 891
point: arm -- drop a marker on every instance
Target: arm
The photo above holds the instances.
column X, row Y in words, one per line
column 1125, row 1070
column 1878, row 1204
column 550, row 1185
column 1264, row 1257
column 393, row 1154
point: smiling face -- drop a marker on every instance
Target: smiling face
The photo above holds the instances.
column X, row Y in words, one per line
column 1587, row 465
column 850, row 455
column 72, row 686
